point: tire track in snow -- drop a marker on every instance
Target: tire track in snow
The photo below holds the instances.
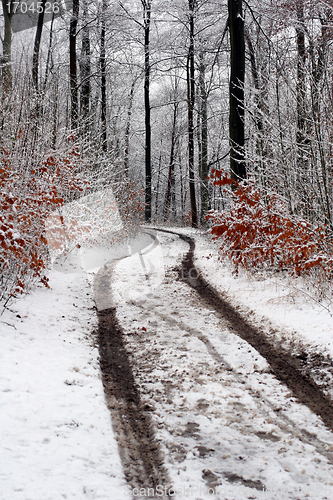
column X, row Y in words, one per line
column 282, row 364
column 172, row 371
column 283, row 421
column 139, row 451
column 140, row 454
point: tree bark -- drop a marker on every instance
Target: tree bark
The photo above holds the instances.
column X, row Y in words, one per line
column 103, row 79
column 49, row 61
column 73, row 65
column 236, row 90
column 203, row 161
column 55, row 112
column 158, row 182
column 170, row 194
column 148, row 192
column 128, row 128
column 258, row 113
column 300, row 86
column 190, row 105
column 85, row 68
column 7, row 46
column 35, row 57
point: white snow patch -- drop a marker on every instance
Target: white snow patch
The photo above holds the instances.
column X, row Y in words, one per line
column 56, row 435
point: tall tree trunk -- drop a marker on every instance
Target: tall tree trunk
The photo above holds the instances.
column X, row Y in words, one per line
column 146, row 18
column 35, row 57
column 203, row 161
column 49, row 61
column 73, row 65
column 158, row 182
column 85, row 71
column 190, row 106
column 300, row 86
column 236, row 90
column 170, row 193
column 182, row 195
column 303, row 131
column 128, row 128
column 258, row 113
column 103, row 78
column 8, row 10
column 55, row 112
column 318, row 72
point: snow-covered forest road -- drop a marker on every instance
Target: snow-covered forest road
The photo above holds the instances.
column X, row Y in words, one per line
column 166, row 249
column 207, row 400
column 201, row 399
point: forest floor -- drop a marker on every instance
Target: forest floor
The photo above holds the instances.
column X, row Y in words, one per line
column 219, row 386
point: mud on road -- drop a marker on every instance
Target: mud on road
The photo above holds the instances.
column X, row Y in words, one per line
column 151, row 375
column 284, row 365
column 140, row 454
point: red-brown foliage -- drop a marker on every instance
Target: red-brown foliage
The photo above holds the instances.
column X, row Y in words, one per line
column 27, row 197
column 258, row 232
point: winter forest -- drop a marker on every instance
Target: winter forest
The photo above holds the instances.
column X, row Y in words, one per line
column 166, row 249
column 202, row 113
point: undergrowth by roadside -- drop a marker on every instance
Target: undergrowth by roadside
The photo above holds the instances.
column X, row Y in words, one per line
column 30, row 189
column 257, row 232
column 33, row 191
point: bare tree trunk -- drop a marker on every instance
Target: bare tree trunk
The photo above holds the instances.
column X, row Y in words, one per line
column 236, row 90
column 171, row 177
column 72, row 65
column 286, row 182
column 8, row 10
column 55, row 112
column 203, row 161
column 190, row 105
column 300, row 87
column 128, row 128
column 182, row 194
column 258, row 113
column 35, row 57
column 85, row 72
column 49, row 61
column 146, row 18
column 158, row 182
column 103, row 78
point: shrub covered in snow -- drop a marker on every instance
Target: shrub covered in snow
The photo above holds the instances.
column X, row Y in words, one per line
column 257, row 232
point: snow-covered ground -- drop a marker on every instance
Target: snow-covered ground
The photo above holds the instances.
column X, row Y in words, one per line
column 56, row 436
column 284, row 301
column 228, row 429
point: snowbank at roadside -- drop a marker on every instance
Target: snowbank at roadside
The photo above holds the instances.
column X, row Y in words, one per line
column 56, row 435
column 284, row 301
column 55, row 428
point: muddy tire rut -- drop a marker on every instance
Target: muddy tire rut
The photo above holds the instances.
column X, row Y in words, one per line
column 140, row 454
column 131, row 362
column 284, row 366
